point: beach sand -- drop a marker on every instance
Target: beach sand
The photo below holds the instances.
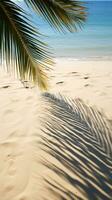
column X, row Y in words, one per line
column 36, row 164
column 88, row 80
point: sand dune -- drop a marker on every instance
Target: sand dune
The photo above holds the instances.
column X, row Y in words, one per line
column 53, row 149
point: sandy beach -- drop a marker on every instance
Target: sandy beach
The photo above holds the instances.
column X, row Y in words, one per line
column 40, row 160
column 88, row 80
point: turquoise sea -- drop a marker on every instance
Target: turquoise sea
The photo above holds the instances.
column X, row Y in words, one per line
column 93, row 41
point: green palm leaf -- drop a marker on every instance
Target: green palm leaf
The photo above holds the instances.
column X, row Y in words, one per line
column 60, row 13
column 20, row 45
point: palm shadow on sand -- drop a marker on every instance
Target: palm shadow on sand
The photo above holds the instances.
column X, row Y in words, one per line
column 79, row 138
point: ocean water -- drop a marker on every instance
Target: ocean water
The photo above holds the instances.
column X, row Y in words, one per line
column 93, row 41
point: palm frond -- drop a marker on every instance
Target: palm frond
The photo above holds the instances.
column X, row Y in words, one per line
column 61, row 14
column 20, row 44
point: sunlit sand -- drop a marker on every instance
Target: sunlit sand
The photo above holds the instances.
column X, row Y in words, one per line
column 53, row 148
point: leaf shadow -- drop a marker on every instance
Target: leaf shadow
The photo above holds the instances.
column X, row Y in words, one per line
column 78, row 140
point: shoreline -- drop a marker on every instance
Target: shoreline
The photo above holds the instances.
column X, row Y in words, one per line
column 91, row 58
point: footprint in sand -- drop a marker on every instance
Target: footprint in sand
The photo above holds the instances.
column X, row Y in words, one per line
column 8, row 158
column 86, row 77
column 15, row 100
column 5, row 86
column 109, row 86
column 8, row 114
column 60, row 82
column 8, row 111
column 87, row 85
column 11, row 168
column 74, row 72
column 103, row 94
